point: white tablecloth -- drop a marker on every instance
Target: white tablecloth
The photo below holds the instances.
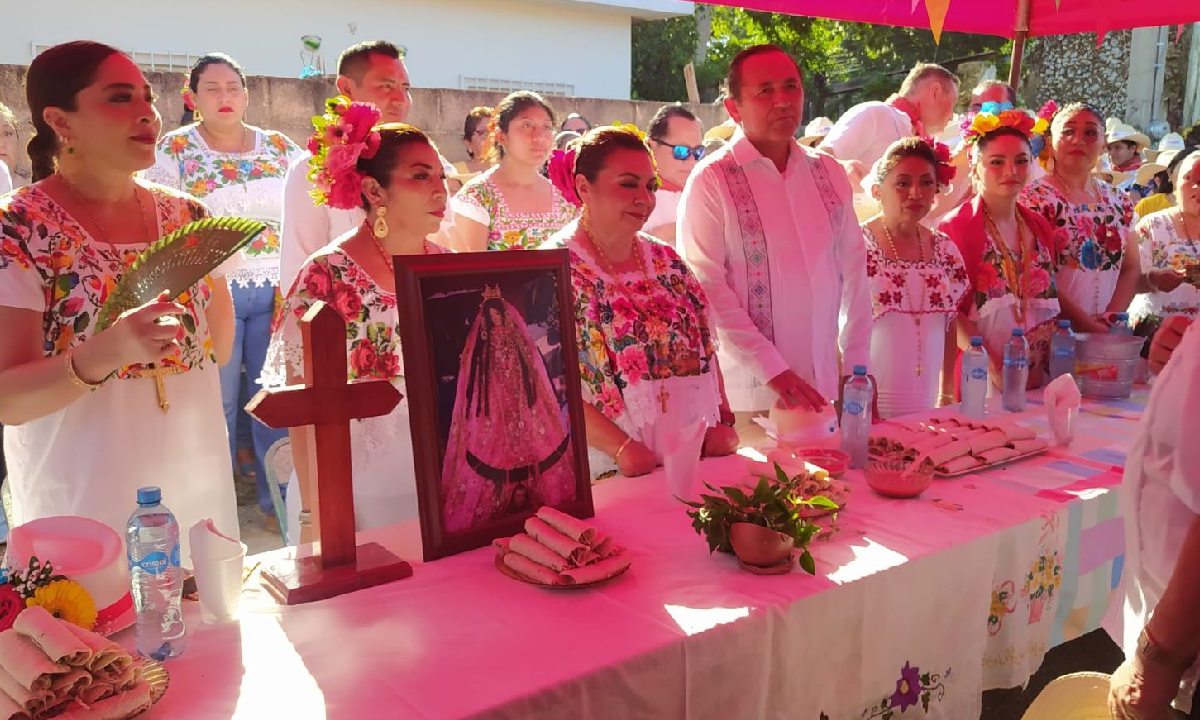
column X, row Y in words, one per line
column 917, row 605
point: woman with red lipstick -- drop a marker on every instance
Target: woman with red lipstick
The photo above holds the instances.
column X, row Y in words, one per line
column 397, row 178
column 511, row 206
column 917, row 277
column 648, row 360
column 1008, row 249
column 1099, row 268
column 237, row 170
column 86, row 422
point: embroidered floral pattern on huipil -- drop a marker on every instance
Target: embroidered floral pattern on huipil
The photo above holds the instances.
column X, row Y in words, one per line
column 482, row 201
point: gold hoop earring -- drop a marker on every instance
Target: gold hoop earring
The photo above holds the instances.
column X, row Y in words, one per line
column 381, row 227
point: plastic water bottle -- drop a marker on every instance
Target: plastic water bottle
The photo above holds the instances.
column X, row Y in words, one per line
column 152, row 539
column 1016, row 371
column 857, row 400
column 974, row 379
column 1120, row 325
column 1062, row 350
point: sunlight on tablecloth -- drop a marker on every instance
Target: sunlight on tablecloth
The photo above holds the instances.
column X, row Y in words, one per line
column 696, row 620
column 868, row 560
column 267, row 656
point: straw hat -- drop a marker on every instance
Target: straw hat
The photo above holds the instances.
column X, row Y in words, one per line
column 722, row 132
column 1126, row 132
column 1148, row 171
column 816, row 131
column 1079, row 696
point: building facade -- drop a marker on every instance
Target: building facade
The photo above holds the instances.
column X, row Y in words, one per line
column 560, row 47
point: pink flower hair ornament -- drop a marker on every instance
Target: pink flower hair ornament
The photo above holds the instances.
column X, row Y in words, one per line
column 943, row 170
column 561, row 172
column 342, row 136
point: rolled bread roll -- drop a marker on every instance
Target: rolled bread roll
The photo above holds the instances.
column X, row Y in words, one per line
column 530, row 569
column 959, row 464
column 948, row 452
column 998, row 454
column 598, row 571
column 47, row 632
column 547, row 535
column 1029, row 446
column 126, row 704
column 26, row 662
column 572, row 527
column 537, row 552
column 987, row 441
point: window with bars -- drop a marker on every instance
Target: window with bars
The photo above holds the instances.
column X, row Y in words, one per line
column 467, row 82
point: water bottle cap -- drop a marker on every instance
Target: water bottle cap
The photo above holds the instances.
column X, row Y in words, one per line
column 1064, row 324
column 149, row 495
column 1018, row 332
column 976, row 341
column 860, row 370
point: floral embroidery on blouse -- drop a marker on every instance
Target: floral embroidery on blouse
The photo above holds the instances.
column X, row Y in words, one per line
column 372, row 334
column 246, row 184
column 482, row 201
column 990, row 284
column 76, row 274
column 1094, row 232
column 943, row 279
column 650, row 328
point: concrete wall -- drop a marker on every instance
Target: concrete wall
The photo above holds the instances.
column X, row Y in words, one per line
column 288, row 105
column 582, row 45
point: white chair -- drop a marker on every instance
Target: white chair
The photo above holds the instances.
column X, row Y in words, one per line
column 279, row 464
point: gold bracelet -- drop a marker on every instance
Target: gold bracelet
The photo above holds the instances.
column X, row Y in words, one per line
column 69, row 361
column 617, row 456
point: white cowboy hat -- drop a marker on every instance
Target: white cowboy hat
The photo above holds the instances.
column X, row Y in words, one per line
column 1079, row 696
column 816, row 131
column 1169, row 142
column 1126, row 132
column 1111, row 124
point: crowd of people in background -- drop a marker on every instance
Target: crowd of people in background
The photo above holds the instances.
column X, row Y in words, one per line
column 733, row 269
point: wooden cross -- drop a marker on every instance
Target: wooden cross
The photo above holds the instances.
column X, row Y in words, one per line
column 329, row 403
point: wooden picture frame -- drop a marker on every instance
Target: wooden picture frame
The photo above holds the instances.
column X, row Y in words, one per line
column 491, row 373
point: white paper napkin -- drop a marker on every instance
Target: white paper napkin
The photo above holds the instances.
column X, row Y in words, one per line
column 208, row 543
column 1062, row 400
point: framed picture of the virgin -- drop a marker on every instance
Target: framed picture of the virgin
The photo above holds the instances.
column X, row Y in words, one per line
column 492, row 378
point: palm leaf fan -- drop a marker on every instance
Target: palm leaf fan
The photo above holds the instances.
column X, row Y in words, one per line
column 177, row 262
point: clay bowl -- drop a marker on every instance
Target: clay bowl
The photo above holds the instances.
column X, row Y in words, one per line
column 898, row 479
column 759, row 546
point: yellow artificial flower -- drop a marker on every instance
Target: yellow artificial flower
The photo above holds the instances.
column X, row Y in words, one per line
column 66, row 600
column 1040, row 126
column 984, row 123
column 630, row 127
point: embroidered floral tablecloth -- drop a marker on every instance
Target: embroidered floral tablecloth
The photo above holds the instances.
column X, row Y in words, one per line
column 917, row 607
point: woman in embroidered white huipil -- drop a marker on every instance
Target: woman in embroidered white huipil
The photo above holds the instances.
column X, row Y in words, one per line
column 647, row 356
column 1169, row 241
column 237, row 170
column 917, row 277
column 398, row 176
column 511, row 206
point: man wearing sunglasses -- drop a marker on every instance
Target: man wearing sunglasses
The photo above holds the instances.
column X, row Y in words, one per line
column 677, row 140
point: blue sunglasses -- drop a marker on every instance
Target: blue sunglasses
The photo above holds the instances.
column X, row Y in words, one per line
column 681, row 152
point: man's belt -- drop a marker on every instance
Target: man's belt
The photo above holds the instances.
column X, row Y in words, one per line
column 521, row 473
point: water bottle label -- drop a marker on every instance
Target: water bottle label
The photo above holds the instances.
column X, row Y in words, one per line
column 175, row 556
column 978, row 374
column 1015, row 362
column 1063, row 352
column 854, row 407
column 156, row 563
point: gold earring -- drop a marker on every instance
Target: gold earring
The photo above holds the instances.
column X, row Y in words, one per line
column 381, row 227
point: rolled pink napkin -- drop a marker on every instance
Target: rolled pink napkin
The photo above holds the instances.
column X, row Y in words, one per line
column 597, row 571
column 26, row 662
column 530, row 569
column 527, row 546
column 572, row 527
column 544, row 533
column 49, row 634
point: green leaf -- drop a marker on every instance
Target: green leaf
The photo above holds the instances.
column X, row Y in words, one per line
column 780, row 475
column 820, row 501
column 735, row 494
column 807, row 563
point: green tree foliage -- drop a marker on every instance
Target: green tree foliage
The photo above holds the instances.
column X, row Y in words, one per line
column 843, row 63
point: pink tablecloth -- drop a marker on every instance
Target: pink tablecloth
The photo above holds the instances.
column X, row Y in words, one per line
column 917, row 606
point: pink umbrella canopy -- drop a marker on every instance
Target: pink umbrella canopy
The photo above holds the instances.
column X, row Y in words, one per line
column 990, row 17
